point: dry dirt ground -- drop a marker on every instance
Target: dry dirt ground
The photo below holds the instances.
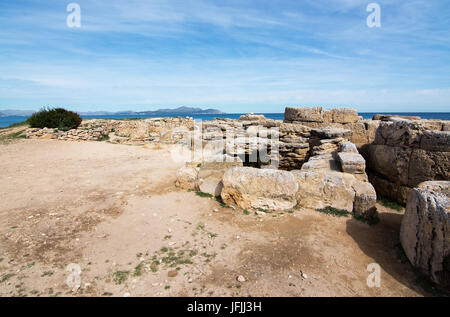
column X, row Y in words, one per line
column 113, row 210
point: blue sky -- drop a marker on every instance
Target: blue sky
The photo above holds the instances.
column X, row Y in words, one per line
column 233, row 55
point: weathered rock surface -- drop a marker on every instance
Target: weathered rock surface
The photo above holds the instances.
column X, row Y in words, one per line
column 348, row 147
column 344, row 115
column 321, row 162
column 352, row 163
column 435, row 141
column 388, row 117
column 211, row 173
column 251, row 188
column 187, row 178
column 304, row 114
column 365, row 201
column 405, row 153
column 321, row 188
column 425, row 230
column 251, row 117
column 331, row 133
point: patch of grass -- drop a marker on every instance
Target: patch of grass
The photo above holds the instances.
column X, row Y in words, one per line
column 204, row 195
column 6, row 138
column 173, row 259
column 120, row 276
column 264, row 210
column 168, row 237
column 212, row 235
column 209, row 256
column 1, row 260
column 201, row 226
column 220, row 201
column 246, row 212
column 47, row 273
column 138, row 270
column 164, row 250
column 389, row 203
column 5, row 277
column 107, row 294
column 166, row 287
column 335, row 212
column 14, row 227
column 28, row 265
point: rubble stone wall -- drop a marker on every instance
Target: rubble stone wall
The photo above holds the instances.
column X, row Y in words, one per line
column 406, row 153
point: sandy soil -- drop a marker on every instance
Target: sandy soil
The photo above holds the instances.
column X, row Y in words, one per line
column 114, row 211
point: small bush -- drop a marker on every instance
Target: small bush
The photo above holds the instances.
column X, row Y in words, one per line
column 58, row 118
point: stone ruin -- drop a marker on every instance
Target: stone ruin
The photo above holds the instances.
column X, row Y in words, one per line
column 322, row 159
column 315, row 158
column 119, row 131
column 319, row 166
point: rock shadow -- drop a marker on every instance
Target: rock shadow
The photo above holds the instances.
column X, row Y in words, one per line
column 381, row 242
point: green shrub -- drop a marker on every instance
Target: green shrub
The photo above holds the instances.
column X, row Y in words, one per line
column 58, row 118
column 204, row 195
column 335, row 212
column 389, row 203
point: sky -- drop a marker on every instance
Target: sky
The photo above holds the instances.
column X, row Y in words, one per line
column 232, row 55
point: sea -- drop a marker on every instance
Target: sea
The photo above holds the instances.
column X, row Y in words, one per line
column 7, row 121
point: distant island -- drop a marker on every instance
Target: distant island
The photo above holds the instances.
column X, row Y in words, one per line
column 16, row 113
column 178, row 111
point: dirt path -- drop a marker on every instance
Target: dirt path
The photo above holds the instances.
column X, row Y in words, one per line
column 113, row 210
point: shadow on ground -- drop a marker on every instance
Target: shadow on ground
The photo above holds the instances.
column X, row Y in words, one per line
column 382, row 243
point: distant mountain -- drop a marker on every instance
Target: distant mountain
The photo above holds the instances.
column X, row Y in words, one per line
column 185, row 110
column 97, row 113
column 176, row 111
column 18, row 113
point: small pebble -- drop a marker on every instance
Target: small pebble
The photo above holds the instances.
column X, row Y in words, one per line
column 241, row 279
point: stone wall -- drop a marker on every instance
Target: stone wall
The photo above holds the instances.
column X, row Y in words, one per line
column 361, row 131
column 119, row 131
column 406, row 153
